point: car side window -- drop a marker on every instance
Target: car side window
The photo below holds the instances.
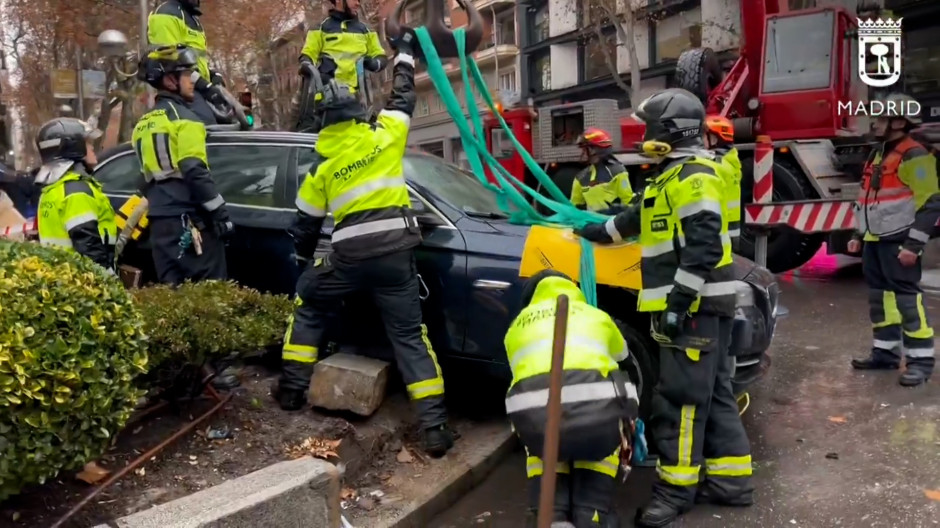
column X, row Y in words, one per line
column 247, row 174
column 120, row 173
column 307, row 161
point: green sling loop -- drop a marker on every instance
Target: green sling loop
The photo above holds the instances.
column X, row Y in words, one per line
column 507, row 190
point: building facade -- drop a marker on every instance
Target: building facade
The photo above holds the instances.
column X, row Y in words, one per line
column 432, row 128
column 921, row 55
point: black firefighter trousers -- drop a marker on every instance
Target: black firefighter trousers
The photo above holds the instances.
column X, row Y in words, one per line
column 896, row 307
column 174, row 264
column 695, row 419
column 393, row 281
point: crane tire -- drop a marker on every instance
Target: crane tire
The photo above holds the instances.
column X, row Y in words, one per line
column 787, row 249
column 699, row 72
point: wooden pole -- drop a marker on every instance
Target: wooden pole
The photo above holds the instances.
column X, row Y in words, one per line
column 553, row 420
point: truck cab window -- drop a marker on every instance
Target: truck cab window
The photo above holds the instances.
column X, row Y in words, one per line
column 799, row 52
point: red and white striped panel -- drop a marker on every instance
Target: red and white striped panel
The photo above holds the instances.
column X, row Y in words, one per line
column 763, row 172
column 806, row 217
column 29, row 228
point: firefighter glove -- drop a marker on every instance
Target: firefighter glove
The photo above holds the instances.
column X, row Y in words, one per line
column 407, row 43
column 216, row 78
column 213, row 94
column 371, row 64
column 596, row 232
column 670, row 323
column 307, row 69
column 221, row 224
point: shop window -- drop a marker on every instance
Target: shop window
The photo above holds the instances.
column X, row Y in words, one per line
column 678, row 33
column 921, row 61
column 595, row 60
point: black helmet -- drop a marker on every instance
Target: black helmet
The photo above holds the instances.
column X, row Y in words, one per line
column 64, row 139
column 528, row 290
column 165, row 60
column 674, row 117
column 337, row 103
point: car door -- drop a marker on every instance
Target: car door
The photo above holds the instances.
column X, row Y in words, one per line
column 252, row 177
column 441, row 260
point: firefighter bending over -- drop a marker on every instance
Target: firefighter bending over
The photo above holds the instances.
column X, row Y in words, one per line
column 688, row 290
column 895, row 215
column 591, row 437
column 360, row 182
column 186, row 211
column 73, row 213
column 177, row 22
column 719, row 137
column 605, row 182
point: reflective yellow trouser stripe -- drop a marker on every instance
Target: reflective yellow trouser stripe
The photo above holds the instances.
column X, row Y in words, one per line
column 608, row 466
column 889, row 306
column 924, row 330
column 429, row 387
column 731, row 466
column 683, row 473
column 293, row 351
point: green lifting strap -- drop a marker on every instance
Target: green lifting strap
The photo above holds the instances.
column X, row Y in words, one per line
column 507, row 190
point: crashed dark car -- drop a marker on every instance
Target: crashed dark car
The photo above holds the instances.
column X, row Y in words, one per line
column 469, row 260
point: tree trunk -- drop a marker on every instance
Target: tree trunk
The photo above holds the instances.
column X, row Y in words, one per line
column 626, row 36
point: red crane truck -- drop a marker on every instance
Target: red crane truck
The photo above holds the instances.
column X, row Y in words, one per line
column 794, row 68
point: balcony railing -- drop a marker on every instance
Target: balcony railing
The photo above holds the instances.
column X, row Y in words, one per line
column 487, row 4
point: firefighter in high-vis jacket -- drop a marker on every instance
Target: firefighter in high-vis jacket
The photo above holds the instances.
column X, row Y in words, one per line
column 177, row 22
column 360, row 182
column 688, row 290
column 719, row 137
column 74, row 212
column 597, row 400
column 604, row 182
column 895, row 214
column 187, row 214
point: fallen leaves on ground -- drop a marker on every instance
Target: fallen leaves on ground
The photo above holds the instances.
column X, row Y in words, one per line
column 92, row 473
column 838, row 419
column 404, row 456
column 932, row 494
column 315, row 447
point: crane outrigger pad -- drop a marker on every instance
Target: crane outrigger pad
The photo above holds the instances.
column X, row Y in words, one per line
column 441, row 35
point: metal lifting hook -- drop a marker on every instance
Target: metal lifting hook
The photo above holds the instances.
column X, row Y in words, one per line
column 442, row 35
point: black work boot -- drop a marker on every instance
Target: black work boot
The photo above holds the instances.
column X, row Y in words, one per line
column 704, row 495
column 875, row 363
column 656, row 514
column 437, row 440
column 289, row 399
column 913, row 377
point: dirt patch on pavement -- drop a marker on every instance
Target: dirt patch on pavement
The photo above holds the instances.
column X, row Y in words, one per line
column 249, row 433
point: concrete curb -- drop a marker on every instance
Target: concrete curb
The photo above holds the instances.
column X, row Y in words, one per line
column 300, row 493
column 479, row 466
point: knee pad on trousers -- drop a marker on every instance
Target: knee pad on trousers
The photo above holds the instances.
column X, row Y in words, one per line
column 591, row 518
column 562, row 493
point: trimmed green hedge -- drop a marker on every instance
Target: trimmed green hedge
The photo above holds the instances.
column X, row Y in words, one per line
column 71, row 344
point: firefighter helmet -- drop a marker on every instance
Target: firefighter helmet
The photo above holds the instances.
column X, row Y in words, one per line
column 64, row 138
column 164, row 61
column 193, row 5
column 898, row 104
column 596, row 138
column 720, row 127
column 528, row 289
column 673, row 117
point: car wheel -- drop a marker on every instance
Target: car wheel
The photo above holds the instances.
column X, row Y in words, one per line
column 642, row 365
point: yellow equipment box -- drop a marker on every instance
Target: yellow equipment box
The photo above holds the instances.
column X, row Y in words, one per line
column 126, row 210
column 559, row 248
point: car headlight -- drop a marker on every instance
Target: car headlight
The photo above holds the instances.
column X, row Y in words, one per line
column 744, row 294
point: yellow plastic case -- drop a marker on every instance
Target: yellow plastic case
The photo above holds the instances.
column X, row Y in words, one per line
column 126, row 210
column 559, row 248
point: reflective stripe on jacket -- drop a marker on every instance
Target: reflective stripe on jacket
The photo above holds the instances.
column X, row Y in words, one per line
column 361, row 183
column 601, row 185
column 75, row 214
column 905, row 203
column 683, row 236
column 171, row 24
column 345, row 40
column 170, row 143
column 595, row 396
column 731, row 176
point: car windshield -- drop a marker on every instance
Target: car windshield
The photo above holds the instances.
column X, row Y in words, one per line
column 453, row 185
